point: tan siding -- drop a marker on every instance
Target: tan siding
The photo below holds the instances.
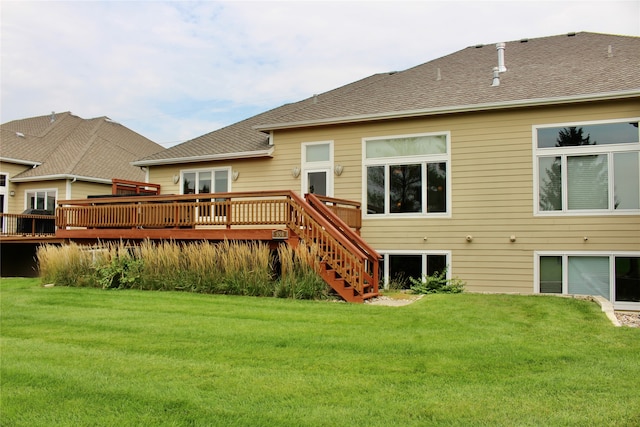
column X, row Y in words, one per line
column 492, row 186
column 11, row 169
column 81, row 189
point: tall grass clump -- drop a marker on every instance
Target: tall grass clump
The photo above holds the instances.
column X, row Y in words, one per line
column 233, row 268
column 298, row 274
column 163, row 266
column 66, row 265
column 246, row 268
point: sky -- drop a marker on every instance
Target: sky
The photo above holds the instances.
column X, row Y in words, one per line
column 175, row 70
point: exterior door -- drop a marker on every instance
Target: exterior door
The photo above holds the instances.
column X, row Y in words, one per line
column 318, row 182
column 317, row 168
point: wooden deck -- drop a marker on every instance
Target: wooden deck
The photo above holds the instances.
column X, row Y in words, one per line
column 332, row 225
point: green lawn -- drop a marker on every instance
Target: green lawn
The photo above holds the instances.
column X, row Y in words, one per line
column 90, row 357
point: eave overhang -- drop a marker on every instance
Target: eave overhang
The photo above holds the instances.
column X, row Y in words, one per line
column 62, row 177
column 207, row 158
column 452, row 109
column 20, row 161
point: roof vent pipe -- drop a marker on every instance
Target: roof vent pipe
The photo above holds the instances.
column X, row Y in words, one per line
column 496, row 77
column 501, row 67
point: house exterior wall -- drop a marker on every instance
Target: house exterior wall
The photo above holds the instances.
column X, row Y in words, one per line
column 492, row 191
column 12, row 169
column 82, row 189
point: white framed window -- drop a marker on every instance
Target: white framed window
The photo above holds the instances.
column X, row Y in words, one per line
column 587, row 168
column 197, row 181
column 205, row 181
column 398, row 266
column 612, row 275
column 317, row 168
column 407, row 175
column 44, row 199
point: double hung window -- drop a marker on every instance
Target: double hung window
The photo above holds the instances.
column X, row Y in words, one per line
column 588, row 168
column 407, row 175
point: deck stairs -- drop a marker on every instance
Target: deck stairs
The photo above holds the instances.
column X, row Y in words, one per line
column 344, row 260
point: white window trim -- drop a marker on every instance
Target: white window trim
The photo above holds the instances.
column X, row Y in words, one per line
column 385, row 255
column 405, row 160
column 39, row 190
column 623, row 305
column 325, row 166
column 608, row 149
column 212, row 170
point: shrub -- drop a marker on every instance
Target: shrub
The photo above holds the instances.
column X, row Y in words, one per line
column 120, row 269
column 437, row 283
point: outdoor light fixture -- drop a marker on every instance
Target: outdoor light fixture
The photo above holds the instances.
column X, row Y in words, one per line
column 295, row 172
column 235, row 175
column 176, row 178
column 338, row 170
column 12, row 193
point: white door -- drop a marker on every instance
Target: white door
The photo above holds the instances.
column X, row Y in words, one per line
column 317, row 168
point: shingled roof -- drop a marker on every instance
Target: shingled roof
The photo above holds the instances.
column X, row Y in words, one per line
column 66, row 146
column 541, row 71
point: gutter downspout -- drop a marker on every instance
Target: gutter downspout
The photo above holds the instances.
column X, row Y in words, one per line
column 68, row 189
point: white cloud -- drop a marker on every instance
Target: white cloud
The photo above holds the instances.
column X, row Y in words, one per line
column 175, row 70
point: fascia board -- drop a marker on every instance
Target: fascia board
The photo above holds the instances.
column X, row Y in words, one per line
column 211, row 157
column 452, row 109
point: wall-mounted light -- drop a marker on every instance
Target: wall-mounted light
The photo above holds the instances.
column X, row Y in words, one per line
column 512, row 238
column 12, row 193
column 176, row 178
column 235, row 175
column 295, row 172
column 338, row 169
column 469, row 238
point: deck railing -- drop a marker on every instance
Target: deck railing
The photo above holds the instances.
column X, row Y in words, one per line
column 313, row 222
column 16, row 225
column 176, row 211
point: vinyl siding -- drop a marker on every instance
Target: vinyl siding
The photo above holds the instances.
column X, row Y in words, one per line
column 492, row 194
column 12, row 169
column 492, row 190
column 81, row 189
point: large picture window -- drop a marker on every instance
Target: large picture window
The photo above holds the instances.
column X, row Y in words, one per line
column 587, row 168
column 615, row 277
column 407, row 175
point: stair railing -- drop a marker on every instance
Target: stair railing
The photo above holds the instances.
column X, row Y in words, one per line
column 358, row 268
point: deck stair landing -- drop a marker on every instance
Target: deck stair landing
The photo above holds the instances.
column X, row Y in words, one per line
column 344, row 260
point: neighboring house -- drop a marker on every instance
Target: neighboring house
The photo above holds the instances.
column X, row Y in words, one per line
column 520, row 179
column 62, row 156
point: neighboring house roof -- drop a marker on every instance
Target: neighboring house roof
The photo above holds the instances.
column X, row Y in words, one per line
column 65, row 146
column 541, row 71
